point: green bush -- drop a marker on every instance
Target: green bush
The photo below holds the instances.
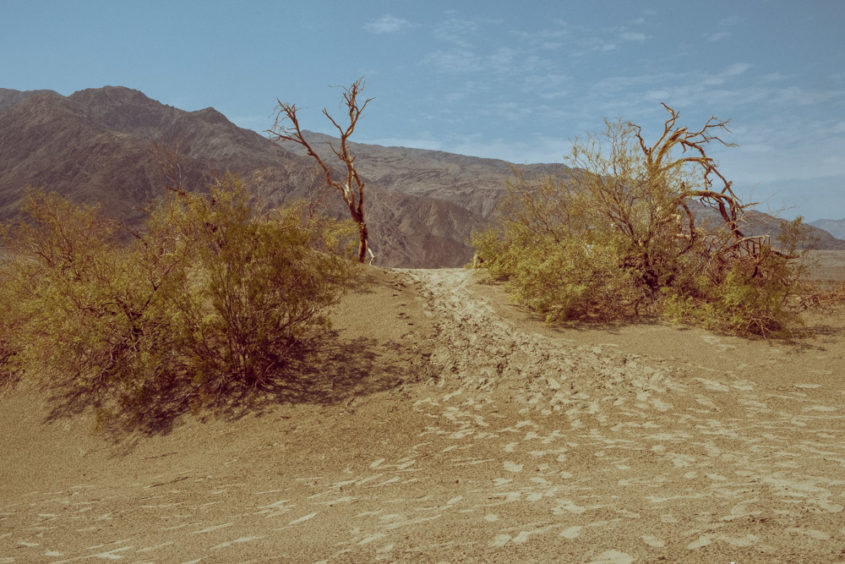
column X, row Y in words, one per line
column 245, row 289
column 618, row 239
column 209, row 298
column 748, row 294
column 552, row 262
column 73, row 295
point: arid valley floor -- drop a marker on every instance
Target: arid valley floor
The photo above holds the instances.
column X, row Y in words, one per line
column 446, row 425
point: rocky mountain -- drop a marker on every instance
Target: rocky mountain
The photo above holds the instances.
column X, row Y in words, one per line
column 835, row 227
column 113, row 145
column 473, row 183
column 100, row 145
column 9, row 98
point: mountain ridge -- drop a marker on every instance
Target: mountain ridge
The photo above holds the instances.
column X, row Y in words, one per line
column 105, row 145
column 98, row 145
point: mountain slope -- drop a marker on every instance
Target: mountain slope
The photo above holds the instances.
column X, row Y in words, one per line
column 105, row 145
column 835, row 227
column 474, row 183
column 99, row 146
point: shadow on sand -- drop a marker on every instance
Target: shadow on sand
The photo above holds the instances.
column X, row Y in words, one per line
column 324, row 370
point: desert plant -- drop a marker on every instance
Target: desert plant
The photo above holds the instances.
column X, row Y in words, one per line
column 618, row 237
column 246, row 288
column 9, row 321
column 207, row 299
column 81, row 305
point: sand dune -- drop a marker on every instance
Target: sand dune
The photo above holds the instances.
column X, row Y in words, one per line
column 460, row 429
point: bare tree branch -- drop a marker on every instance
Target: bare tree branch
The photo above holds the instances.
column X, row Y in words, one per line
column 286, row 127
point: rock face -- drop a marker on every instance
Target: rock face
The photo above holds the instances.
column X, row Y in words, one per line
column 100, row 145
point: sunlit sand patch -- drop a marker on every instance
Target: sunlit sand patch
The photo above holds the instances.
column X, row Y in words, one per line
column 512, row 466
column 113, row 554
column 213, row 528
column 523, row 536
column 825, row 408
column 239, row 540
column 156, row 547
column 571, row 532
column 653, row 541
column 500, row 540
column 568, row 506
column 700, row 542
column 371, row 538
column 411, row 522
column 744, row 541
column 304, row 518
column 613, row 557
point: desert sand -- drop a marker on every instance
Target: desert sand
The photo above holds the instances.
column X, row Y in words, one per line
column 444, row 424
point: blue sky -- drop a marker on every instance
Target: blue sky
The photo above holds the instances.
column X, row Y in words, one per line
column 515, row 80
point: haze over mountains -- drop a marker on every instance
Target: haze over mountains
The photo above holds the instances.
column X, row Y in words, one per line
column 835, row 227
column 99, row 145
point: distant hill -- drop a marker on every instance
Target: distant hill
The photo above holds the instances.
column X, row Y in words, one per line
column 98, row 145
column 835, row 227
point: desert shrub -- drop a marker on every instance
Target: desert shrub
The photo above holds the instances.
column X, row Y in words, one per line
column 9, row 322
column 551, row 261
column 245, row 288
column 618, row 238
column 209, row 298
column 76, row 298
column 752, row 293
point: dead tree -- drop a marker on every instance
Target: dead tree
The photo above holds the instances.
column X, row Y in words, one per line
column 286, row 127
column 716, row 193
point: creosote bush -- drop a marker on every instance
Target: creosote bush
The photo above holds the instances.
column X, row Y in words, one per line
column 619, row 238
column 208, row 299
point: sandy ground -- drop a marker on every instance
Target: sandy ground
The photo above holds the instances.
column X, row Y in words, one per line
column 448, row 425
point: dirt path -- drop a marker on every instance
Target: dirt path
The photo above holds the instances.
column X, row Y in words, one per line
column 525, row 446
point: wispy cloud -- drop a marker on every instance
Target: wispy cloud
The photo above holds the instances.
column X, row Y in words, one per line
column 633, row 36
column 718, row 36
column 454, row 61
column 736, row 69
column 457, row 32
column 387, row 24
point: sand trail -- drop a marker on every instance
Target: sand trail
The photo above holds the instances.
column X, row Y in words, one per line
column 522, row 446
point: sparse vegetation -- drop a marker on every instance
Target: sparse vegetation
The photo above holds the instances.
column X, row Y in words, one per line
column 619, row 238
column 209, row 299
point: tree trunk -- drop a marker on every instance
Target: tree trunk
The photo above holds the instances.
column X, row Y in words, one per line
column 363, row 246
